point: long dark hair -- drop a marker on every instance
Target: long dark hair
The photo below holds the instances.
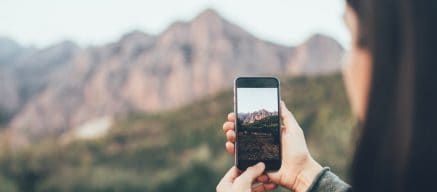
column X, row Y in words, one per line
column 397, row 149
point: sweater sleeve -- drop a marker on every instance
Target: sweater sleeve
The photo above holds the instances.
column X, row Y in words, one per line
column 326, row 181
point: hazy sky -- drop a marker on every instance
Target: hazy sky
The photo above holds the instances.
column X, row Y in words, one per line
column 254, row 99
column 44, row 22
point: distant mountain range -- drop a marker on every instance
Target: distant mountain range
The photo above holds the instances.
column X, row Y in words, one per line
column 180, row 149
column 49, row 91
column 248, row 118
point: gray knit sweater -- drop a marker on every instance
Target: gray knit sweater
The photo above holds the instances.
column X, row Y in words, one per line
column 326, row 181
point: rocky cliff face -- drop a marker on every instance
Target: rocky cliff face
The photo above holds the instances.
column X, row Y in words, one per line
column 318, row 55
column 24, row 72
column 247, row 118
column 64, row 86
column 9, row 52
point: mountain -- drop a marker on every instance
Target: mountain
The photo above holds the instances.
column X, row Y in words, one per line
column 26, row 71
column 9, row 52
column 180, row 149
column 64, row 86
column 318, row 55
column 255, row 116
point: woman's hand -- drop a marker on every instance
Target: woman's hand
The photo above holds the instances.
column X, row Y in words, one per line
column 234, row 182
column 298, row 168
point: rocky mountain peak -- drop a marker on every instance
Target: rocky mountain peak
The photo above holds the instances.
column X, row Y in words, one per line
column 257, row 115
column 9, row 50
column 321, row 40
column 209, row 15
column 201, row 30
column 143, row 73
column 134, row 36
column 7, row 43
column 313, row 58
column 63, row 47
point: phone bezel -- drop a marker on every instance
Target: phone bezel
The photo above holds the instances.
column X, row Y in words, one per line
column 257, row 82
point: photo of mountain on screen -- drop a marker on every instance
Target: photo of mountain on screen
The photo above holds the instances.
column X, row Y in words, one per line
column 258, row 132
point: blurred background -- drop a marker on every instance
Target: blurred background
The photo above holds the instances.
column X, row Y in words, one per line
column 131, row 95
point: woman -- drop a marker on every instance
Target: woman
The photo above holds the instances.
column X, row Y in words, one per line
column 390, row 77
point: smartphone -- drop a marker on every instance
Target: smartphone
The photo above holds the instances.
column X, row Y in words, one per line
column 257, row 122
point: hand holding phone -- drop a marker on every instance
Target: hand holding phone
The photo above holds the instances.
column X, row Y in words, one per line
column 297, row 167
column 257, row 122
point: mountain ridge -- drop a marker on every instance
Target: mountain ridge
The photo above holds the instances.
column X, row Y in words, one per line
column 151, row 73
column 247, row 118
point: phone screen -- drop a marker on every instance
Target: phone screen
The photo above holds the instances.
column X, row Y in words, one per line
column 258, row 125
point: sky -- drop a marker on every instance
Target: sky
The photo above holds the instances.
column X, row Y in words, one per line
column 94, row 22
column 255, row 99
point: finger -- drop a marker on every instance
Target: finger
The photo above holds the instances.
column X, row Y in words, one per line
column 250, row 174
column 228, row 126
column 257, row 187
column 285, row 113
column 274, row 176
column 288, row 118
column 270, row 186
column 230, row 148
column 231, row 117
column 228, row 179
column 262, row 179
column 230, row 135
column 230, row 175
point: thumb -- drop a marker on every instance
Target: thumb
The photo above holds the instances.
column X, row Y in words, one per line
column 250, row 174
